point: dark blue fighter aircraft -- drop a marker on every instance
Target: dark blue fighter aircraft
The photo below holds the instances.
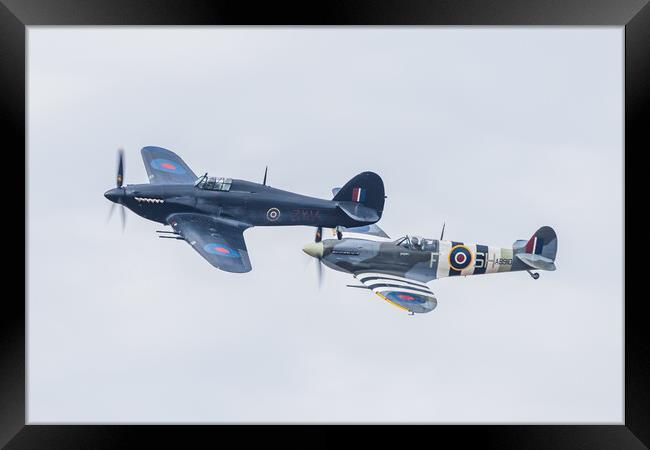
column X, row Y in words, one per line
column 212, row 213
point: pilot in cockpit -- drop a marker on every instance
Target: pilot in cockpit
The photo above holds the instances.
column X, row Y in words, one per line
column 213, row 183
column 417, row 242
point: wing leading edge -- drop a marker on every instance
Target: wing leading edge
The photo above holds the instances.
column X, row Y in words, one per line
column 219, row 241
column 407, row 294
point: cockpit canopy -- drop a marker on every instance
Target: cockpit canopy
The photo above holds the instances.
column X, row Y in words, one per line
column 213, row 183
column 416, row 243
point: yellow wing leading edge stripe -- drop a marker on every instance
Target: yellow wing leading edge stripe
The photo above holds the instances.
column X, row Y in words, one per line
column 391, row 302
column 386, row 284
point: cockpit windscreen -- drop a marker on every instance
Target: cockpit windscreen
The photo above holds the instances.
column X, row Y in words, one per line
column 416, row 243
column 214, row 183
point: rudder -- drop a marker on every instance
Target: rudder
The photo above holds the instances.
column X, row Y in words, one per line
column 538, row 252
column 543, row 242
column 367, row 189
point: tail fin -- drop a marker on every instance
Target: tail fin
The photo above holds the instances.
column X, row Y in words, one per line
column 366, row 189
column 540, row 250
column 543, row 242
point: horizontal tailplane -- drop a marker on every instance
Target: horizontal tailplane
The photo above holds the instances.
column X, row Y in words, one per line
column 536, row 261
column 359, row 213
column 366, row 190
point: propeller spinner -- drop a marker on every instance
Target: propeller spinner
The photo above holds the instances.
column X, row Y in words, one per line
column 315, row 250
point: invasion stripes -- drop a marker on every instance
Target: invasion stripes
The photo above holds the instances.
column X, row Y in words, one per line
column 480, row 264
column 395, row 287
column 371, row 276
column 404, row 293
column 444, row 247
column 379, row 282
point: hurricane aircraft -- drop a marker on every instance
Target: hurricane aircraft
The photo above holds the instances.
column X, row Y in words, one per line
column 398, row 270
column 211, row 213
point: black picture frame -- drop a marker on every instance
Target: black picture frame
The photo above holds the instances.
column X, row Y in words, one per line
column 16, row 15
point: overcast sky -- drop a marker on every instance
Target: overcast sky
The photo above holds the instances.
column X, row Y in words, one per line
column 496, row 131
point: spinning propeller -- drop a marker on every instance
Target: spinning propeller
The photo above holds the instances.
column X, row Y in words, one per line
column 117, row 194
column 319, row 272
column 315, row 250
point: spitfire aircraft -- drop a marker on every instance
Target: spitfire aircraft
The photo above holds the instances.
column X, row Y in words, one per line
column 398, row 271
column 212, row 213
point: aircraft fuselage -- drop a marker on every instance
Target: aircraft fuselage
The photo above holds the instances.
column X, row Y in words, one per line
column 432, row 259
column 248, row 202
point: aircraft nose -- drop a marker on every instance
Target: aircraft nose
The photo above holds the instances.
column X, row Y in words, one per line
column 314, row 249
column 113, row 194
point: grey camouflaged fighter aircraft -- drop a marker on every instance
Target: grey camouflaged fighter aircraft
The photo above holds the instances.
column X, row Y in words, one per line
column 212, row 213
column 398, row 271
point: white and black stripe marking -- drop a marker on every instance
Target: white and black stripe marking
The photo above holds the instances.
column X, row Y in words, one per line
column 379, row 277
column 379, row 282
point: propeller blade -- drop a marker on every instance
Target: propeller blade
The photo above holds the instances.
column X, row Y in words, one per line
column 110, row 212
column 120, row 167
column 319, row 234
column 123, row 214
column 319, row 272
column 313, row 251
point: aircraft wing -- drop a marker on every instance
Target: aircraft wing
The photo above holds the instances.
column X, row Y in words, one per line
column 364, row 231
column 220, row 241
column 405, row 293
column 165, row 166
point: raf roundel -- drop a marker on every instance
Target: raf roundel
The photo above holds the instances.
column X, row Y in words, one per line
column 221, row 250
column 460, row 257
column 405, row 297
column 273, row 214
column 165, row 165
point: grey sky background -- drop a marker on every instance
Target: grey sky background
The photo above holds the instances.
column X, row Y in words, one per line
column 496, row 131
